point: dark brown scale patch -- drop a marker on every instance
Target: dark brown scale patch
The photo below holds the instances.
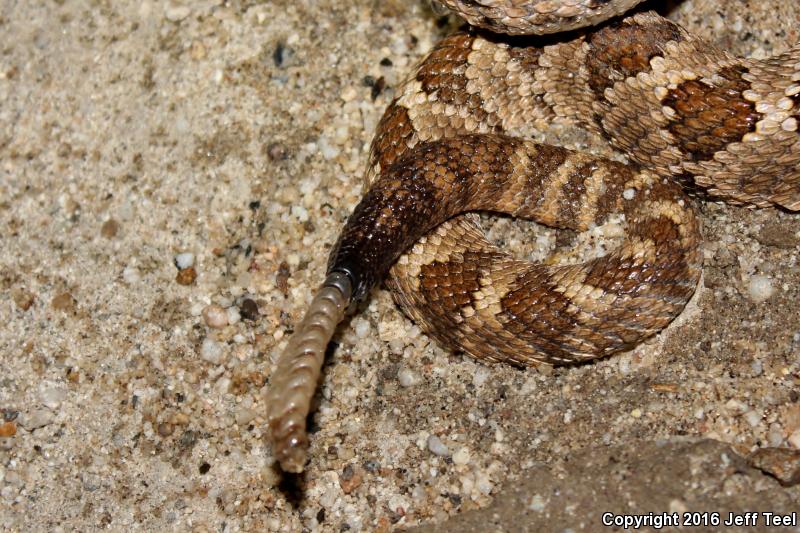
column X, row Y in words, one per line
column 624, row 49
column 708, row 117
column 526, row 56
column 391, row 141
column 535, row 311
column 574, row 188
column 543, row 164
column 450, row 286
column 443, row 73
column 443, row 69
column 609, row 198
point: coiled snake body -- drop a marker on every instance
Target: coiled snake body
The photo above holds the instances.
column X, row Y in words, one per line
column 679, row 108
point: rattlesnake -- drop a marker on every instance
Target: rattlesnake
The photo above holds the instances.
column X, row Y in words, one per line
column 680, row 109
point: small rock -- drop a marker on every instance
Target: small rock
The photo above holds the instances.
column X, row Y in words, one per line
column 109, row 229
column 131, row 275
column 8, row 429
column 349, row 94
column 752, row 417
column 233, row 315
column 462, row 456
column 536, row 503
column 407, row 377
column 184, row 260
column 215, row 316
column 186, row 276
column 362, row 328
column 36, row 419
column 781, row 463
column 249, row 309
column 23, row 298
column 176, row 13
column 760, row 288
column 282, row 278
column 437, row 447
column 211, row 351
column 52, row 397
column 482, row 373
column 63, row 302
column 794, row 439
column 350, row 479
column 244, row 415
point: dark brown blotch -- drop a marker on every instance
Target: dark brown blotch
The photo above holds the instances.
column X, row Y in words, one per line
column 450, row 286
column 624, row 49
column 443, row 69
column 574, row 188
column 526, row 56
column 393, row 135
column 709, row 117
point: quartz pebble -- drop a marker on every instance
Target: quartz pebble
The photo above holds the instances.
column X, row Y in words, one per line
column 462, row 456
column 244, row 415
column 36, row 419
column 760, row 288
column 437, row 447
column 794, row 439
column 52, row 397
column 211, row 351
column 184, row 260
column 215, row 316
column 407, row 377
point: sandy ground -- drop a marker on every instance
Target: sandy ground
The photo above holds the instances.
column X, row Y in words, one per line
column 228, row 139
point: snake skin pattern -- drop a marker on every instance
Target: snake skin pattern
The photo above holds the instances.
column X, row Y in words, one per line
column 680, row 109
column 527, row 17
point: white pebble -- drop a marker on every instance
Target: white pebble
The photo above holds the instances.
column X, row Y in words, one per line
column 536, row 503
column 629, row 194
column 300, row 212
column 211, row 351
column 36, row 419
column 349, row 93
column 484, row 483
column 752, row 417
column 362, row 328
column 244, row 415
column 794, row 439
column 407, row 377
column 233, row 314
column 215, row 316
column 735, row 406
column 462, row 456
column 437, row 447
column 775, row 435
column 761, row 288
column 223, row 384
column 131, row 275
column 184, row 260
column 177, row 13
column 481, row 375
column 52, row 398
